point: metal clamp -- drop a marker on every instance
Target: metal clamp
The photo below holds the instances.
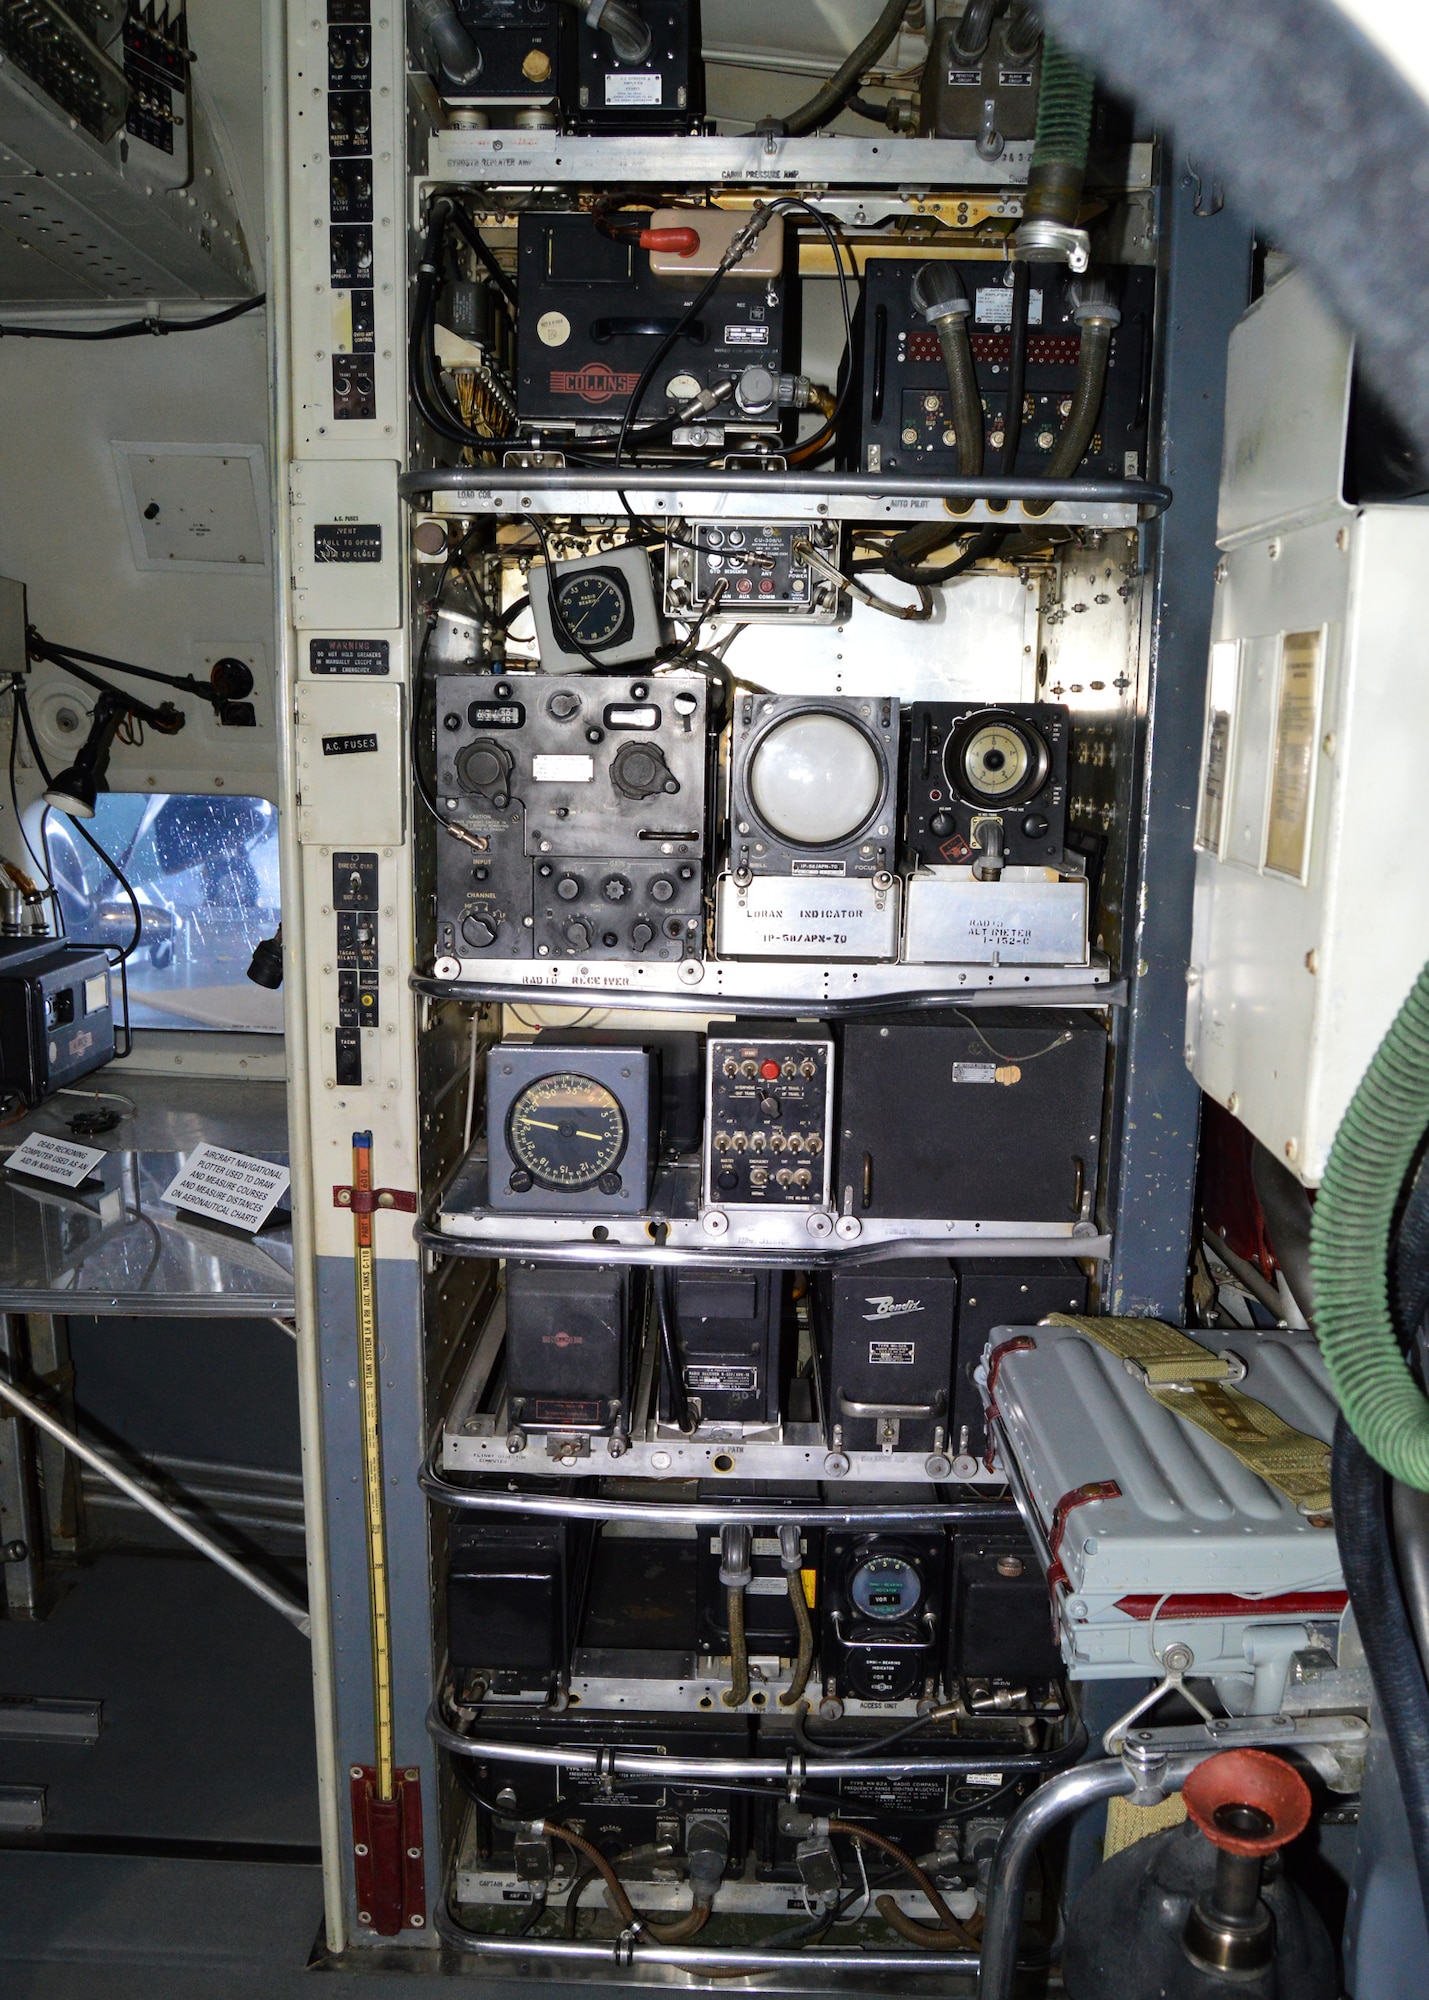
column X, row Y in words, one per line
column 1177, row 1660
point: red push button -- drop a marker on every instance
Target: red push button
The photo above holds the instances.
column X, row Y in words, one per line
column 769, row 1070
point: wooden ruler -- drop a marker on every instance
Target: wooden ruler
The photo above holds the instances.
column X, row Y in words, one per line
column 368, row 1392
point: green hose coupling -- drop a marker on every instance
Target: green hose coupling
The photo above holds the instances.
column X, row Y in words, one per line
column 1048, row 231
column 1376, row 1145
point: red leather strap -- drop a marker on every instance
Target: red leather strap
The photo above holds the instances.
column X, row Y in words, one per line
column 1080, row 1496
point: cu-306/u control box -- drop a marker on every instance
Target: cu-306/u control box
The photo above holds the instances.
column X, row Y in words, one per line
column 768, row 1119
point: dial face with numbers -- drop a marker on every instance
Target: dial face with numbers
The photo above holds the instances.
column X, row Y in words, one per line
column 886, row 1587
column 995, row 760
column 594, row 605
column 566, row 1131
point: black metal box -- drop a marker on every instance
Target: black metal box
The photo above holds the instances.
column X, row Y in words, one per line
column 906, row 404
column 567, row 1345
column 514, row 1591
column 993, row 1115
column 665, row 92
column 1000, row 1621
column 592, row 313
column 526, row 49
column 886, row 1342
column 56, row 1015
column 1002, row 1291
column 729, row 1328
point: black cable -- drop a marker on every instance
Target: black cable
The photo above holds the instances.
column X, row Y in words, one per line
column 986, row 542
column 15, row 798
column 133, row 328
column 1016, row 367
column 474, row 239
column 673, row 1373
column 829, row 99
column 1362, row 1531
column 512, row 613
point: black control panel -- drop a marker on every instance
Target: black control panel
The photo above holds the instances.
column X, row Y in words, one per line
column 354, row 903
column 592, row 310
column 906, row 401
column 752, row 569
column 769, row 1105
column 350, row 243
column 883, row 1610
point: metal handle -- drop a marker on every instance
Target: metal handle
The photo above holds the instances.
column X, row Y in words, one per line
column 933, row 1409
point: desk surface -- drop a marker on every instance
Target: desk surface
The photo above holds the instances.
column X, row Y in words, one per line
column 111, row 1245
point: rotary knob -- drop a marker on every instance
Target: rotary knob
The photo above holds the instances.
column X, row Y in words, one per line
column 942, row 823
column 578, row 934
column 662, row 889
column 478, row 932
column 641, row 934
column 615, row 888
column 485, row 767
column 568, row 888
column 639, row 771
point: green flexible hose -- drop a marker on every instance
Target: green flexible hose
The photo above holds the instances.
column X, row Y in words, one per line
column 1379, row 1136
column 1064, row 108
column 1064, row 125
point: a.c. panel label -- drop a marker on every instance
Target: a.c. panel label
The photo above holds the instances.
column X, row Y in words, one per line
column 349, row 656
column 347, row 542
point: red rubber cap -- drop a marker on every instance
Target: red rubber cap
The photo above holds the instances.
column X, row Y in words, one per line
column 1247, row 1778
column 769, row 1070
column 679, row 242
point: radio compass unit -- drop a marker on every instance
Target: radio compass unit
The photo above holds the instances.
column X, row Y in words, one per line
column 571, row 1131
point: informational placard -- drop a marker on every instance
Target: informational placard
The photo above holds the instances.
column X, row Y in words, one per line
column 58, row 1160
column 229, row 1187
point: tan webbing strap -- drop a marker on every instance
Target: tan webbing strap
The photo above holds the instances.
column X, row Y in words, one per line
column 1192, row 1383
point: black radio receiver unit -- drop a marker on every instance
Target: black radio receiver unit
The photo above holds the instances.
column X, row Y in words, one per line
column 581, row 804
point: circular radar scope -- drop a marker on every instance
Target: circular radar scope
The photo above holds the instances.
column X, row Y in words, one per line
column 996, row 760
column 815, row 779
column 567, row 1131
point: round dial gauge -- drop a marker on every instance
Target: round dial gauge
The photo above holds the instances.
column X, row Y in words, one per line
column 815, row 779
column 566, row 1131
column 886, row 1587
column 594, row 606
column 996, row 760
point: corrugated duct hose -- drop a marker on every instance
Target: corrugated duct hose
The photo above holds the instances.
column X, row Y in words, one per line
column 1059, row 152
column 1374, row 1148
column 1384, row 1421
column 939, row 296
